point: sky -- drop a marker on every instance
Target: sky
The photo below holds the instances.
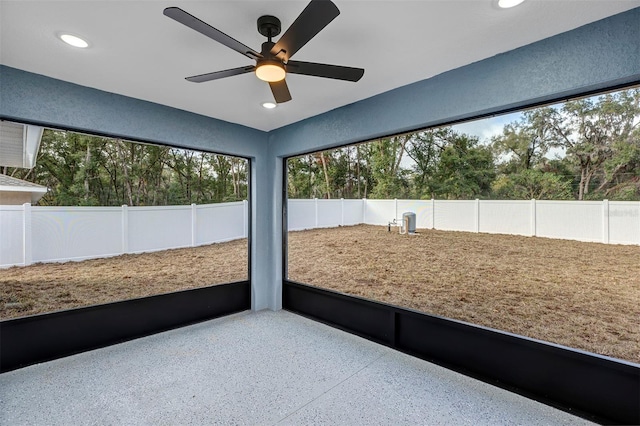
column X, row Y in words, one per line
column 486, row 128
column 489, row 127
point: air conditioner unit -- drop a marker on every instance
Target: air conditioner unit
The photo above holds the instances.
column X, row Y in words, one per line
column 19, row 144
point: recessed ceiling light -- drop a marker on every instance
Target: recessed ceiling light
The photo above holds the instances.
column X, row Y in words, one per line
column 74, row 41
column 269, row 105
column 505, row 4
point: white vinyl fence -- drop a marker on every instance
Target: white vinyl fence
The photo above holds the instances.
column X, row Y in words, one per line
column 56, row 234
column 609, row 222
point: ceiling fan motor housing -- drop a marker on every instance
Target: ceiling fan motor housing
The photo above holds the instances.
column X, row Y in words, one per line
column 266, row 50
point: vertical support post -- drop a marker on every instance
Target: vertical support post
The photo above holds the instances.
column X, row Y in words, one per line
column 194, row 224
column 533, row 218
column 342, row 211
column 245, row 216
column 477, row 213
column 433, row 214
column 364, row 211
column 316, row 205
column 605, row 221
column 27, row 240
column 125, row 229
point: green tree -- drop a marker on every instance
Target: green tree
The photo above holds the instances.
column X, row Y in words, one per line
column 523, row 144
column 465, row 169
column 390, row 180
column 302, row 177
column 88, row 170
column 601, row 138
column 425, row 149
column 532, row 183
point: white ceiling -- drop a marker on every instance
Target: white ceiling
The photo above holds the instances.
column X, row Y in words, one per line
column 136, row 51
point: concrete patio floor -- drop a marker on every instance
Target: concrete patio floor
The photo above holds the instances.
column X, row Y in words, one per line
column 261, row 368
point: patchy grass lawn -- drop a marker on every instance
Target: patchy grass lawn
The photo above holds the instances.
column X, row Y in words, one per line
column 583, row 295
column 49, row 287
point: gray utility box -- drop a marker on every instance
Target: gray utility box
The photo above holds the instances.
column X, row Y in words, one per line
column 409, row 222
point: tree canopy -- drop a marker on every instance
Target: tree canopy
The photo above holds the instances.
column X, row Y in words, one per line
column 584, row 149
column 82, row 170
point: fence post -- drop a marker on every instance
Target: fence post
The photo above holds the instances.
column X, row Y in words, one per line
column 533, row 218
column 125, row 229
column 342, row 211
column 245, row 212
column 395, row 206
column 316, row 206
column 27, row 240
column 605, row 221
column 477, row 211
column 433, row 214
column 364, row 211
column 194, row 224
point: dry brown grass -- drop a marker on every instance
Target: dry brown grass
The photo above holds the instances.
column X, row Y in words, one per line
column 583, row 295
column 55, row 286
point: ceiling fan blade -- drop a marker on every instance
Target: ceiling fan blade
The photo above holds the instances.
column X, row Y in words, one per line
column 324, row 70
column 317, row 15
column 220, row 74
column 280, row 91
column 194, row 23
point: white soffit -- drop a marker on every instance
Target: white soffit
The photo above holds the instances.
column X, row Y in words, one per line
column 19, row 144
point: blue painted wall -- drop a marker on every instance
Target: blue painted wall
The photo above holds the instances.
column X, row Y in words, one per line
column 37, row 99
column 594, row 57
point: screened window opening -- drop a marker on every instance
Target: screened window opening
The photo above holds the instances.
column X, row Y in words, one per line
column 526, row 222
column 118, row 220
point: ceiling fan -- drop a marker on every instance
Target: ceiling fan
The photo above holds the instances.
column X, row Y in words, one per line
column 273, row 61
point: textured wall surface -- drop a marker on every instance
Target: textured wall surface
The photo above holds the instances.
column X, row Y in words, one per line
column 33, row 98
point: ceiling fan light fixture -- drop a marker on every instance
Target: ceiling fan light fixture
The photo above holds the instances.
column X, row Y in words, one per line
column 269, row 105
column 270, row 71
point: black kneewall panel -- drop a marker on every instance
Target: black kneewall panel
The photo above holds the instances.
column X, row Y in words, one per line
column 565, row 378
column 591, row 386
column 38, row 338
column 370, row 320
